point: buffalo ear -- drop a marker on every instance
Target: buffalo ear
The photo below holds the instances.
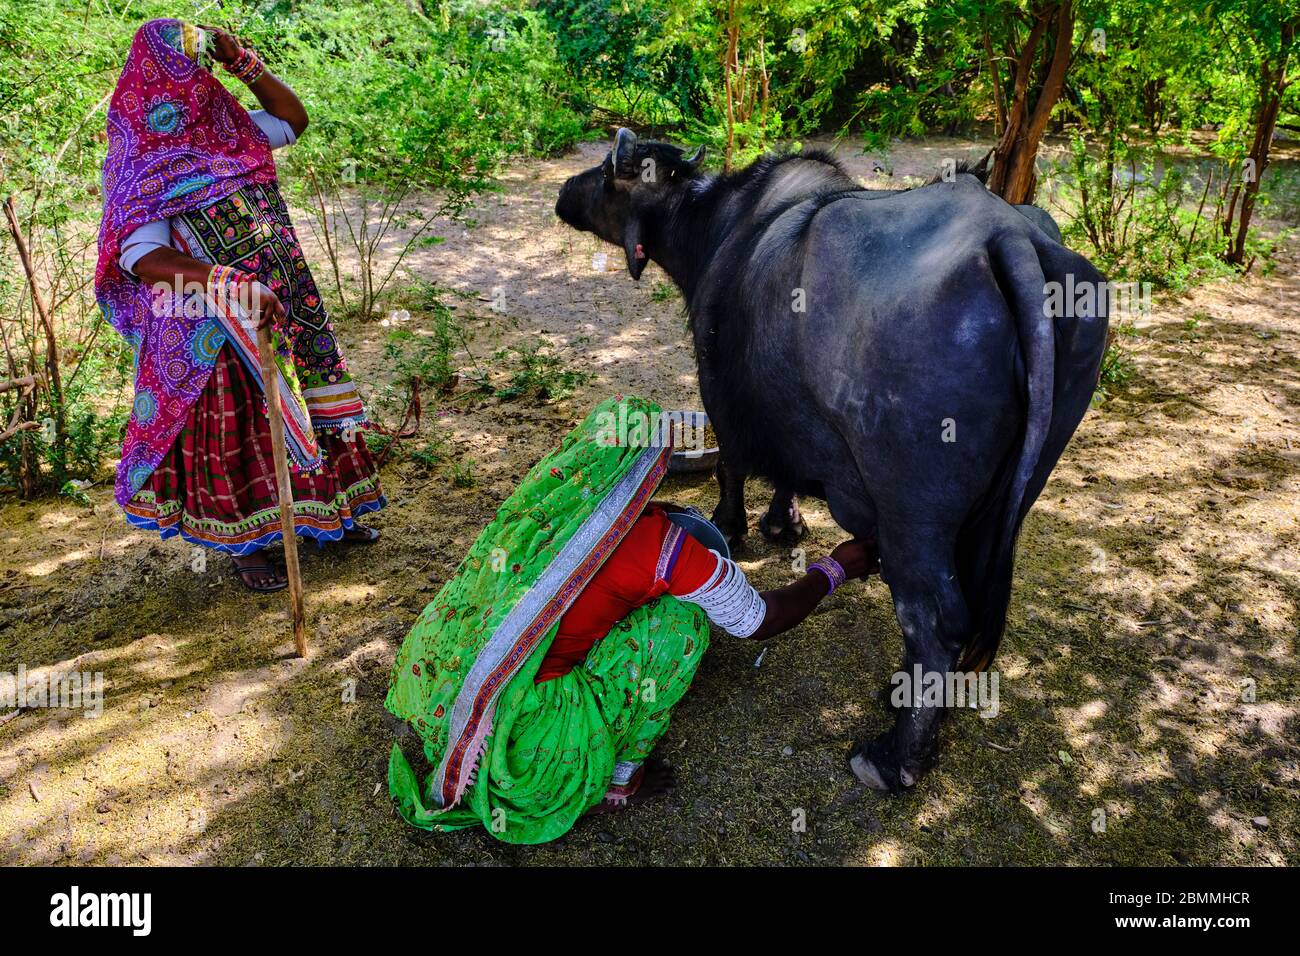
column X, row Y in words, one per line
column 636, row 258
column 695, row 157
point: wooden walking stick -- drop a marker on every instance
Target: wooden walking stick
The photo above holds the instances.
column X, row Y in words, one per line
column 278, row 449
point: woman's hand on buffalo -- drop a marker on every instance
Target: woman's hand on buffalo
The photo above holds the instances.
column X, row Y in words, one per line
column 785, row 607
column 858, row 558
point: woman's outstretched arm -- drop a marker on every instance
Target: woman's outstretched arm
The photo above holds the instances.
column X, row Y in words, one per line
column 788, row 606
column 276, row 96
column 733, row 604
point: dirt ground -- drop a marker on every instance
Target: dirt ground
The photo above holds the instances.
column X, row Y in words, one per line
column 1149, row 687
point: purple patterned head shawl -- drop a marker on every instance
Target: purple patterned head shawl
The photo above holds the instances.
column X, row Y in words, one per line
column 177, row 142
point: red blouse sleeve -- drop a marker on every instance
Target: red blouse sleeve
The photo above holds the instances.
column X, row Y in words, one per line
column 656, row 557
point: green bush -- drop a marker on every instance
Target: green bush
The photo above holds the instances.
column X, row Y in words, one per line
column 407, row 101
column 627, row 67
column 1138, row 216
column 1116, row 365
column 443, row 103
column 541, row 374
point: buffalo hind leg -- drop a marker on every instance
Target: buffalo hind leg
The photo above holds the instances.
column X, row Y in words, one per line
column 730, row 515
column 783, row 523
column 917, row 564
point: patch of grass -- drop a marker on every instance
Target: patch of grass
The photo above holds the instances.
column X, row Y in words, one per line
column 1192, row 326
column 424, row 353
column 430, row 453
column 542, row 374
column 76, row 490
column 663, row 291
column 462, row 474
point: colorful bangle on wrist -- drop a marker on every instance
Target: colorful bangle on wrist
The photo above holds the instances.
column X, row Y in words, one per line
column 255, row 72
column 247, row 67
column 833, row 570
column 223, row 283
column 221, row 276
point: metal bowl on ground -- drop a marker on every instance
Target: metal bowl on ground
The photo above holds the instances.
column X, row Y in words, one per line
column 696, row 459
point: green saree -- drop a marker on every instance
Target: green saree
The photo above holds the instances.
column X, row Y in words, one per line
column 524, row 760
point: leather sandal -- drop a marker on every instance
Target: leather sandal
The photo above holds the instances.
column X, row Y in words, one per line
column 259, row 569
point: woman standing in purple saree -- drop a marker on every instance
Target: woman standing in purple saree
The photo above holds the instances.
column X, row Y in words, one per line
column 195, row 249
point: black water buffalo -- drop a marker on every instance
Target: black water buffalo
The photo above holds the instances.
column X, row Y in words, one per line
column 890, row 352
column 783, row 522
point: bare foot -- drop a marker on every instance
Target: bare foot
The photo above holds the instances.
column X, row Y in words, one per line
column 654, row 779
column 257, row 573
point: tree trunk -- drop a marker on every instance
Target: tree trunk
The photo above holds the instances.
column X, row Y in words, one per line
column 1014, row 177
column 52, row 374
column 729, row 69
column 1153, row 107
column 999, row 103
column 1272, row 85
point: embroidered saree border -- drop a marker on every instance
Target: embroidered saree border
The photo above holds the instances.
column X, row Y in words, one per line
column 312, row 519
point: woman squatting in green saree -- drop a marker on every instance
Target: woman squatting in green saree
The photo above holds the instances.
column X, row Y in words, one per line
column 545, row 671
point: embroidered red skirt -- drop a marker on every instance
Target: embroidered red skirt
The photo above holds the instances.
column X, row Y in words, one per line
column 216, row 487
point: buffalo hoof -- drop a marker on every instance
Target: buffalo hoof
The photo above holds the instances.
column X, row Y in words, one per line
column 873, row 763
column 791, row 533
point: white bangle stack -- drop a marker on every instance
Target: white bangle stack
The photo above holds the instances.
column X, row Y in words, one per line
column 729, row 599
